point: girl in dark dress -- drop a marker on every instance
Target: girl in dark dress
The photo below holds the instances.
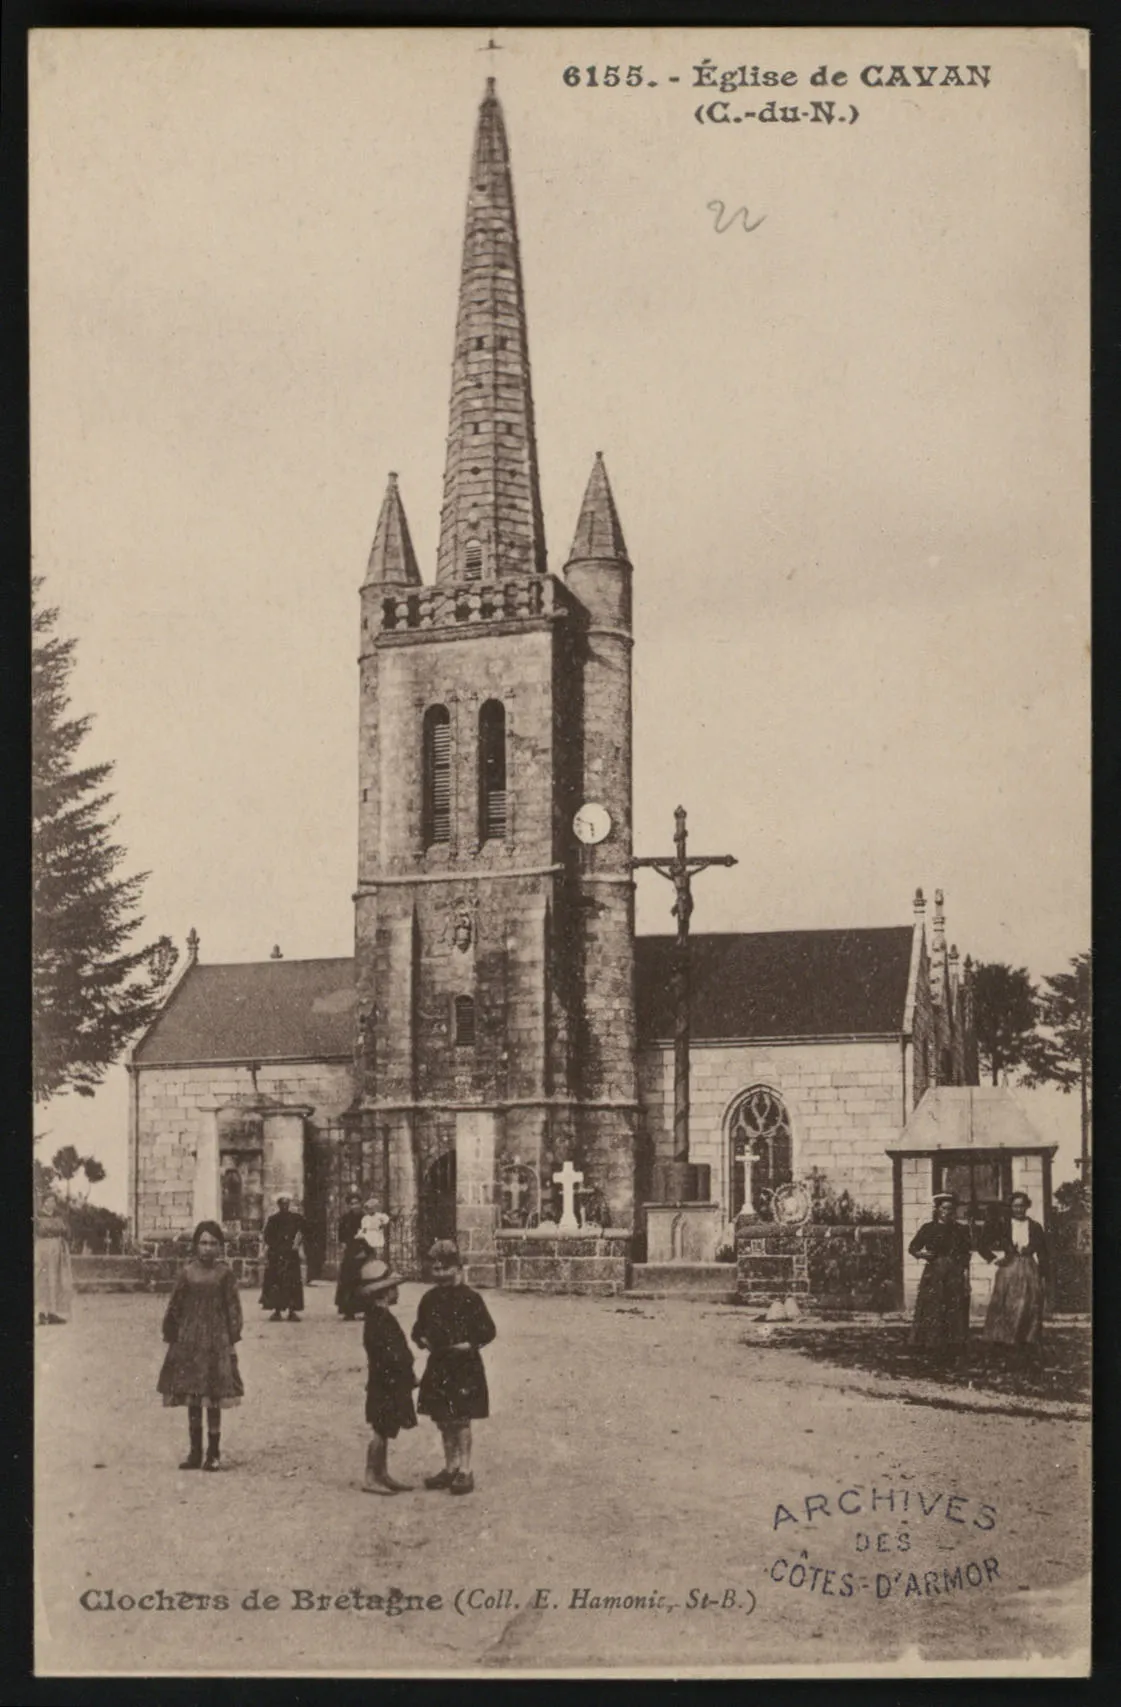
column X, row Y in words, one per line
column 201, row 1325
column 452, row 1323
column 351, row 1255
column 1020, row 1251
column 390, row 1379
column 941, row 1321
column 283, row 1287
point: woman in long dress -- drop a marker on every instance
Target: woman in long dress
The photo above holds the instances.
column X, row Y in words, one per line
column 201, row 1325
column 1023, row 1259
column 54, row 1282
column 351, row 1256
column 941, row 1320
column 285, row 1234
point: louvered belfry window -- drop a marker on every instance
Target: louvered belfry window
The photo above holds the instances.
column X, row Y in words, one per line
column 465, row 1022
column 492, row 771
column 437, row 775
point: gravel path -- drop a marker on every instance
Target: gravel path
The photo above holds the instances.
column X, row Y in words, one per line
column 634, row 1450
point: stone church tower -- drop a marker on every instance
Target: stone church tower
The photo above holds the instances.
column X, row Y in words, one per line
column 494, row 923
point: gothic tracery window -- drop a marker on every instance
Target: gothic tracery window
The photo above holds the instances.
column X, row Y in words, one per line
column 761, row 1148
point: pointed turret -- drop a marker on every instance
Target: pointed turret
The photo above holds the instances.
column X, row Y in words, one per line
column 490, row 525
column 392, row 558
column 598, row 570
column 598, row 533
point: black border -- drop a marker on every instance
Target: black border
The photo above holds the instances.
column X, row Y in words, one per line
column 1103, row 19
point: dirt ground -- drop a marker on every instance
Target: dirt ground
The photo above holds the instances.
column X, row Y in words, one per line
column 1060, row 1374
column 645, row 1451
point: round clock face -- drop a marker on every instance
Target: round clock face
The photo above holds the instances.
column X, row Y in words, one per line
column 592, row 823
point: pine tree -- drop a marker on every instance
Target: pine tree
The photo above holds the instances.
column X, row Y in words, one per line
column 91, row 993
column 1061, row 1053
column 67, row 1164
column 1003, row 1016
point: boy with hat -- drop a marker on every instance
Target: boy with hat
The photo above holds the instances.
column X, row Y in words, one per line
column 452, row 1323
column 390, row 1379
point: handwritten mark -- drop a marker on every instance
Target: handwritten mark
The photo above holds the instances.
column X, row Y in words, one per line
column 718, row 208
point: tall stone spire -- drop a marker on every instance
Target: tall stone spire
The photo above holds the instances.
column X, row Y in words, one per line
column 490, row 525
column 392, row 558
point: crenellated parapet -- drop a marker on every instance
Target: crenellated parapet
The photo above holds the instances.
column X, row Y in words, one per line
column 453, row 608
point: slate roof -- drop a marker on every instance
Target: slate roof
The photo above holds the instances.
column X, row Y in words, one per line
column 762, row 984
column 780, row 983
column 970, row 1117
column 269, row 1010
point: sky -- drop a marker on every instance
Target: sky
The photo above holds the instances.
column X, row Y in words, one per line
column 849, row 450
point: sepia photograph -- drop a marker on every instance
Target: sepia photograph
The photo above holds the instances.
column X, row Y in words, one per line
column 561, row 852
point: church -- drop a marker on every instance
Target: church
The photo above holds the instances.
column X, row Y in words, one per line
column 496, row 1062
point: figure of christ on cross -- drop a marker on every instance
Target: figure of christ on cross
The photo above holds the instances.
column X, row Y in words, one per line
column 516, row 1188
column 680, row 871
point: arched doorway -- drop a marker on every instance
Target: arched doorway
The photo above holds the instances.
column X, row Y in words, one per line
column 760, row 1149
column 438, row 1200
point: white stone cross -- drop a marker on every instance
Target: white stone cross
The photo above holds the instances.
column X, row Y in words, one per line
column 515, row 1188
column 750, row 1163
column 568, row 1179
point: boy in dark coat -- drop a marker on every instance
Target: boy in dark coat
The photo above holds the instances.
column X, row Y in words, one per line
column 390, row 1379
column 452, row 1323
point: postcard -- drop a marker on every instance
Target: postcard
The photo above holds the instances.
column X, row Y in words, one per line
column 561, row 876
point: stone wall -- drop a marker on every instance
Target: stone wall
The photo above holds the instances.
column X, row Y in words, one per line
column 845, row 1102
column 155, row 1269
column 173, row 1105
column 823, row 1268
column 593, row 1264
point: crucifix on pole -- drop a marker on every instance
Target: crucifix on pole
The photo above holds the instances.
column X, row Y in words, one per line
column 680, row 870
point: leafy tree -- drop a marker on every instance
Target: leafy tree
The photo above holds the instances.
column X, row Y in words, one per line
column 1061, row 1052
column 1072, row 1198
column 66, row 1165
column 1004, row 1011
column 98, row 1230
column 91, row 993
